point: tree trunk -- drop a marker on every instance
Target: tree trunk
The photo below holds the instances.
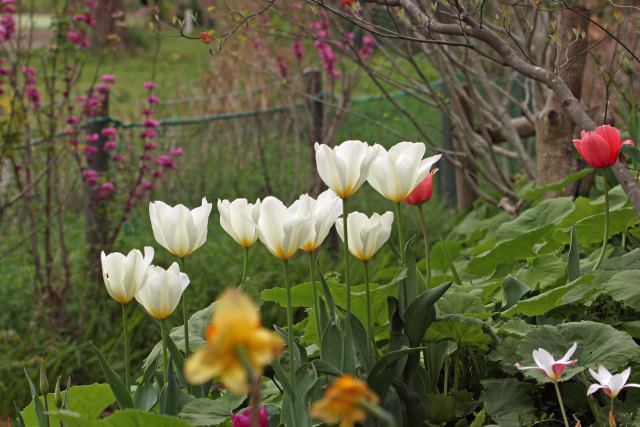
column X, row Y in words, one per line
column 554, row 126
column 110, row 21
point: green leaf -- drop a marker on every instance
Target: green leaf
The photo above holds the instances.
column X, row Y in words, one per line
column 361, row 343
column 327, row 294
column 513, row 290
column 382, row 373
column 591, row 229
column 535, row 193
column 282, row 377
column 507, row 400
column 478, row 421
column 625, row 287
column 631, row 152
column 197, row 324
column 573, row 263
column 146, row 395
column 440, row 254
column 168, row 399
column 545, row 271
column 422, row 313
column 122, row 395
column 41, row 418
column 123, row 418
column 412, row 274
column 597, row 343
column 454, row 272
column 324, row 367
column 205, row 411
column 548, row 212
column 332, row 343
column 465, row 331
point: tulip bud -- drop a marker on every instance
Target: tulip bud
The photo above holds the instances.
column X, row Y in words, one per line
column 44, row 383
column 58, row 394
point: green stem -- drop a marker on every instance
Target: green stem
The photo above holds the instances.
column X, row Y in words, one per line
column 127, row 367
column 185, row 317
column 427, row 255
column 606, row 221
column 163, row 329
column 611, row 407
column 316, row 308
column 245, row 265
column 405, row 292
column 446, row 374
column 292, row 359
column 456, row 370
column 370, row 332
column 347, row 340
column 564, row 414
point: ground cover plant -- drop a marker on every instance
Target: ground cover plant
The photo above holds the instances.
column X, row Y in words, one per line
column 399, row 313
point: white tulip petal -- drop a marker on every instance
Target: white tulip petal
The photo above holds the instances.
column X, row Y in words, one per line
column 593, row 388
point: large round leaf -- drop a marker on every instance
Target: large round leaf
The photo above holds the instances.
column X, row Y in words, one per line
column 597, row 343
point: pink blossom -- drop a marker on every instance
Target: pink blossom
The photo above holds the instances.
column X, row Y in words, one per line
column 244, row 419
column 296, row 6
column 92, row 4
column 8, row 8
column 147, row 185
column 110, row 145
column 297, row 50
column 4, row 71
column 90, row 176
column 157, row 173
column 152, row 99
column 79, row 39
column 282, row 67
column 150, row 123
column 166, row 162
column 92, row 138
column 176, row 152
column 147, row 111
column 149, row 85
column 7, row 27
column 147, row 157
column 105, row 189
column 72, row 120
column 74, row 142
column 90, row 149
column 109, row 78
column 101, row 87
column 109, row 132
column 33, row 96
column 117, row 157
column 28, row 71
column 30, row 80
column 150, row 146
column 68, row 131
column 149, row 133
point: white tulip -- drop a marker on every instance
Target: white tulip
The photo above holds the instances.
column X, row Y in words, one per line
column 395, row 173
column 323, row 213
column 240, row 220
column 124, row 275
column 280, row 231
column 178, row 229
column 162, row 290
column 366, row 235
column 345, row 167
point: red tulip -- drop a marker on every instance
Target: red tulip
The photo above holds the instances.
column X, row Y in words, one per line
column 600, row 148
column 423, row 192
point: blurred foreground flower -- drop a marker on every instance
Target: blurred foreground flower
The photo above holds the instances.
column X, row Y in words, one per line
column 244, row 419
column 124, row 275
column 600, row 148
column 240, row 220
column 395, row 173
column 366, row 235
column 611, row 384
column 178, row 229
column 547, row 365
column 345, row 400
column 162, row 290
column 235, row 329
column 345, row 167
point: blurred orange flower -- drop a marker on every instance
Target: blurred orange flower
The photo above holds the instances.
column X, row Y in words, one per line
column 343, row 401
column 235, row 328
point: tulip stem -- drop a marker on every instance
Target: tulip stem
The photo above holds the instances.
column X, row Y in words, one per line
column 185, row 318
column 427, row 255
column 606, row 221
column 564, row 414
column 347, row 340
column 316, row 308
column 163, row 329
column 370, row 332
column 127, row 367
column 405, row 292
column 245, row 265
column 292, row 359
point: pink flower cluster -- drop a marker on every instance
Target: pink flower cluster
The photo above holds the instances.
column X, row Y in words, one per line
column 81, row 21
column 7, row 26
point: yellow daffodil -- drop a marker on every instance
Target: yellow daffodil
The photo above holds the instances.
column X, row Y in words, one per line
column 343, row 401
column 235, row 329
